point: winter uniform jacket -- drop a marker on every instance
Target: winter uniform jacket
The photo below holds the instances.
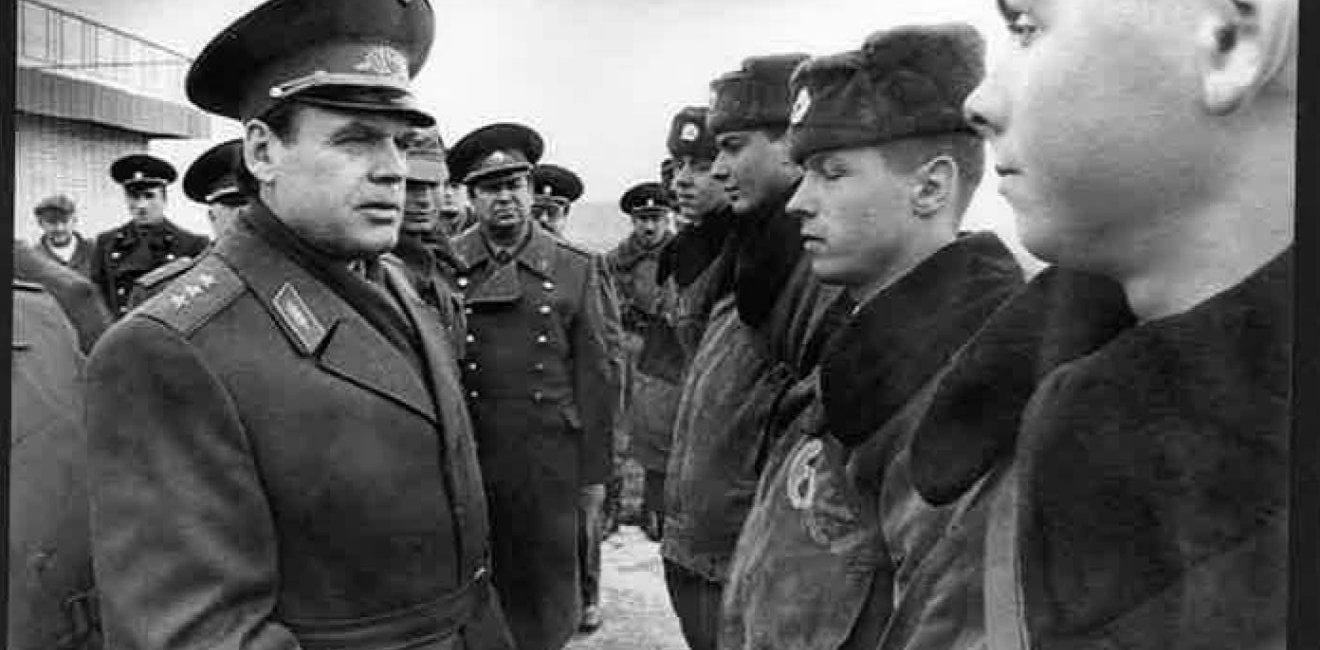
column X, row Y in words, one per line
column 809, row 555
column 1147, row 506
column 270, row 471
column 542, row 374
column 51, row 603
column 125, row 253
column 81, row 262
column 433, row 270
column 760, row 337
column 651, row 401
column 932, row 467
column 76, row 295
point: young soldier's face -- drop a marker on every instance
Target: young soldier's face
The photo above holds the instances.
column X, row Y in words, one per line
column 856, row 215
column 753, row 168
column 338, row 182
column 1092, row 115
column 698, row 193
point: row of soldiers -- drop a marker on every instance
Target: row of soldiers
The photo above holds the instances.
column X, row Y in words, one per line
column 884, row 434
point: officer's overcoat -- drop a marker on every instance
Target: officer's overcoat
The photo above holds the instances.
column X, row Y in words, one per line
column 542, row 373
column 271, row 472
column 50, row 560
column 123, row 254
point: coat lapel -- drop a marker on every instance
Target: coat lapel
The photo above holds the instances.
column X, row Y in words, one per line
column 321, row 325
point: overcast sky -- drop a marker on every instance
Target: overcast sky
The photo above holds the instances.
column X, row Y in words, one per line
column 599, row 79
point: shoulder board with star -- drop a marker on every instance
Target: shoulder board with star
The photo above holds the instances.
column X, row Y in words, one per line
column 196, row 296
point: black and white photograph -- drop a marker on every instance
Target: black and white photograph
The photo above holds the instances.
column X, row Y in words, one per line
column 654, row 325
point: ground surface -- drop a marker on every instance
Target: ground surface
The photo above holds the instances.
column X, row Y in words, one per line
column 636, row 606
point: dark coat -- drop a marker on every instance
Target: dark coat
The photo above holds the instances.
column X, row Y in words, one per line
column 759, row 339
column 933, row 468
column 650, row 401
column 695, row 274
column 542, row 373
column 270, row 471
column 81, row 261
column 51, row 604
column 76, row 295
column 125, row 253
column 1148, row 504
column 433, row 270
column 809, row 555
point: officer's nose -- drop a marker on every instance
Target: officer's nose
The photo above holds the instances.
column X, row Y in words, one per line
column 390, row 164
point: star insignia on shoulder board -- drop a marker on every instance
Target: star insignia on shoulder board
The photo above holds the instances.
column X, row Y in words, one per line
column 192, row 290
column 178, row 300
column 206, row 280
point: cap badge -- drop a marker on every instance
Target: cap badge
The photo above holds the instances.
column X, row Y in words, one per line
column 137, row 175
column 689, row 133
column 800, row 107
column 546, row 190
column 498, row 158
column 383, row 61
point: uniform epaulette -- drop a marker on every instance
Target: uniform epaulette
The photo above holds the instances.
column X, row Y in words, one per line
column 196, row 296
column 23, row 285
column 166, row 272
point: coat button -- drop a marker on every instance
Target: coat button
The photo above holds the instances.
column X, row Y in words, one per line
column 122, row 290
column 474, row 394
column 169, row 257
column 541, row 338
column 548, row 285
column 479, row 573
column 467, row 310
column 472, row 366
column 544, row 309
column 538, row 367
column 471, row 338
column 462, row 282
column 537, row 396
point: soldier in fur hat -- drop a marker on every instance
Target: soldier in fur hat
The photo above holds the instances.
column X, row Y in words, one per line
column 890, row 167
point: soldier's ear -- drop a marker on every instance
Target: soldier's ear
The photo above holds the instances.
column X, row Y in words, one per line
column 1245, row 47
column 259, row 141
column 933, row 186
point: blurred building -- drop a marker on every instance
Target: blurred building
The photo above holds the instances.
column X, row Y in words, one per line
column 86, row 94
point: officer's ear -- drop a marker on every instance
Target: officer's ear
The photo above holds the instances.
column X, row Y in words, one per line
column 259, row 141
column 1244, row 48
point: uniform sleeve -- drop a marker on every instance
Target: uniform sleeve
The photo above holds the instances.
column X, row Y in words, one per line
column 597, row 370
column 97, row 272
column 182, row 538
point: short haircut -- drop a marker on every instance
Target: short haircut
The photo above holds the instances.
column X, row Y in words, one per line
column 967, row 150
column 281, row 118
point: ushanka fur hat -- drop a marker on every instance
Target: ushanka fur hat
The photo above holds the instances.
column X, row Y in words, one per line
column 754, row 96
column 904, row 82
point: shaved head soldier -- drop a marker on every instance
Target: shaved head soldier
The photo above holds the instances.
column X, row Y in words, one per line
column 281, row 454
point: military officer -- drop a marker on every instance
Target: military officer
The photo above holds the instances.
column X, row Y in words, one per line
column 281, row 454
column 212, row 180
column 423, row 246
column 51, row 598
column 148, row 240
column 555, row 189
column 650, row 400
column 455, row 208
column 542, row 378
column 60, row 241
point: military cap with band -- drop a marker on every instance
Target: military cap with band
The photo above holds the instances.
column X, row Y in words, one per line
column 57, row 205
column 555, row 184
column 648, row 197
column 904, row 82
column 494, row 150
column 348, row 54
column 425, row 150
column 688, row 135
column 754, row 97
column 142, row 170
column 214, row 175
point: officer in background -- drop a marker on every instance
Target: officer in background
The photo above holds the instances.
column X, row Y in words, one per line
column 281, row 453
column 650, row 401
column 51, row 600
column 455, row 208
column 554, row 190
column 60, row 241
column 148, row 240
column 423, row 246
column 212, row 180
column 543, row 381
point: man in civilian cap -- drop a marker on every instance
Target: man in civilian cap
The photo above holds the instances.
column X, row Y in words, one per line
column 212, row 180
column 649, row 401
column 554, row 190
column 423, row 245
column 765, row 329
column 60, row 241
column 543, row 382
column 148, row 240
column 1144, row 498
column 890, row 168
column 281, row 453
